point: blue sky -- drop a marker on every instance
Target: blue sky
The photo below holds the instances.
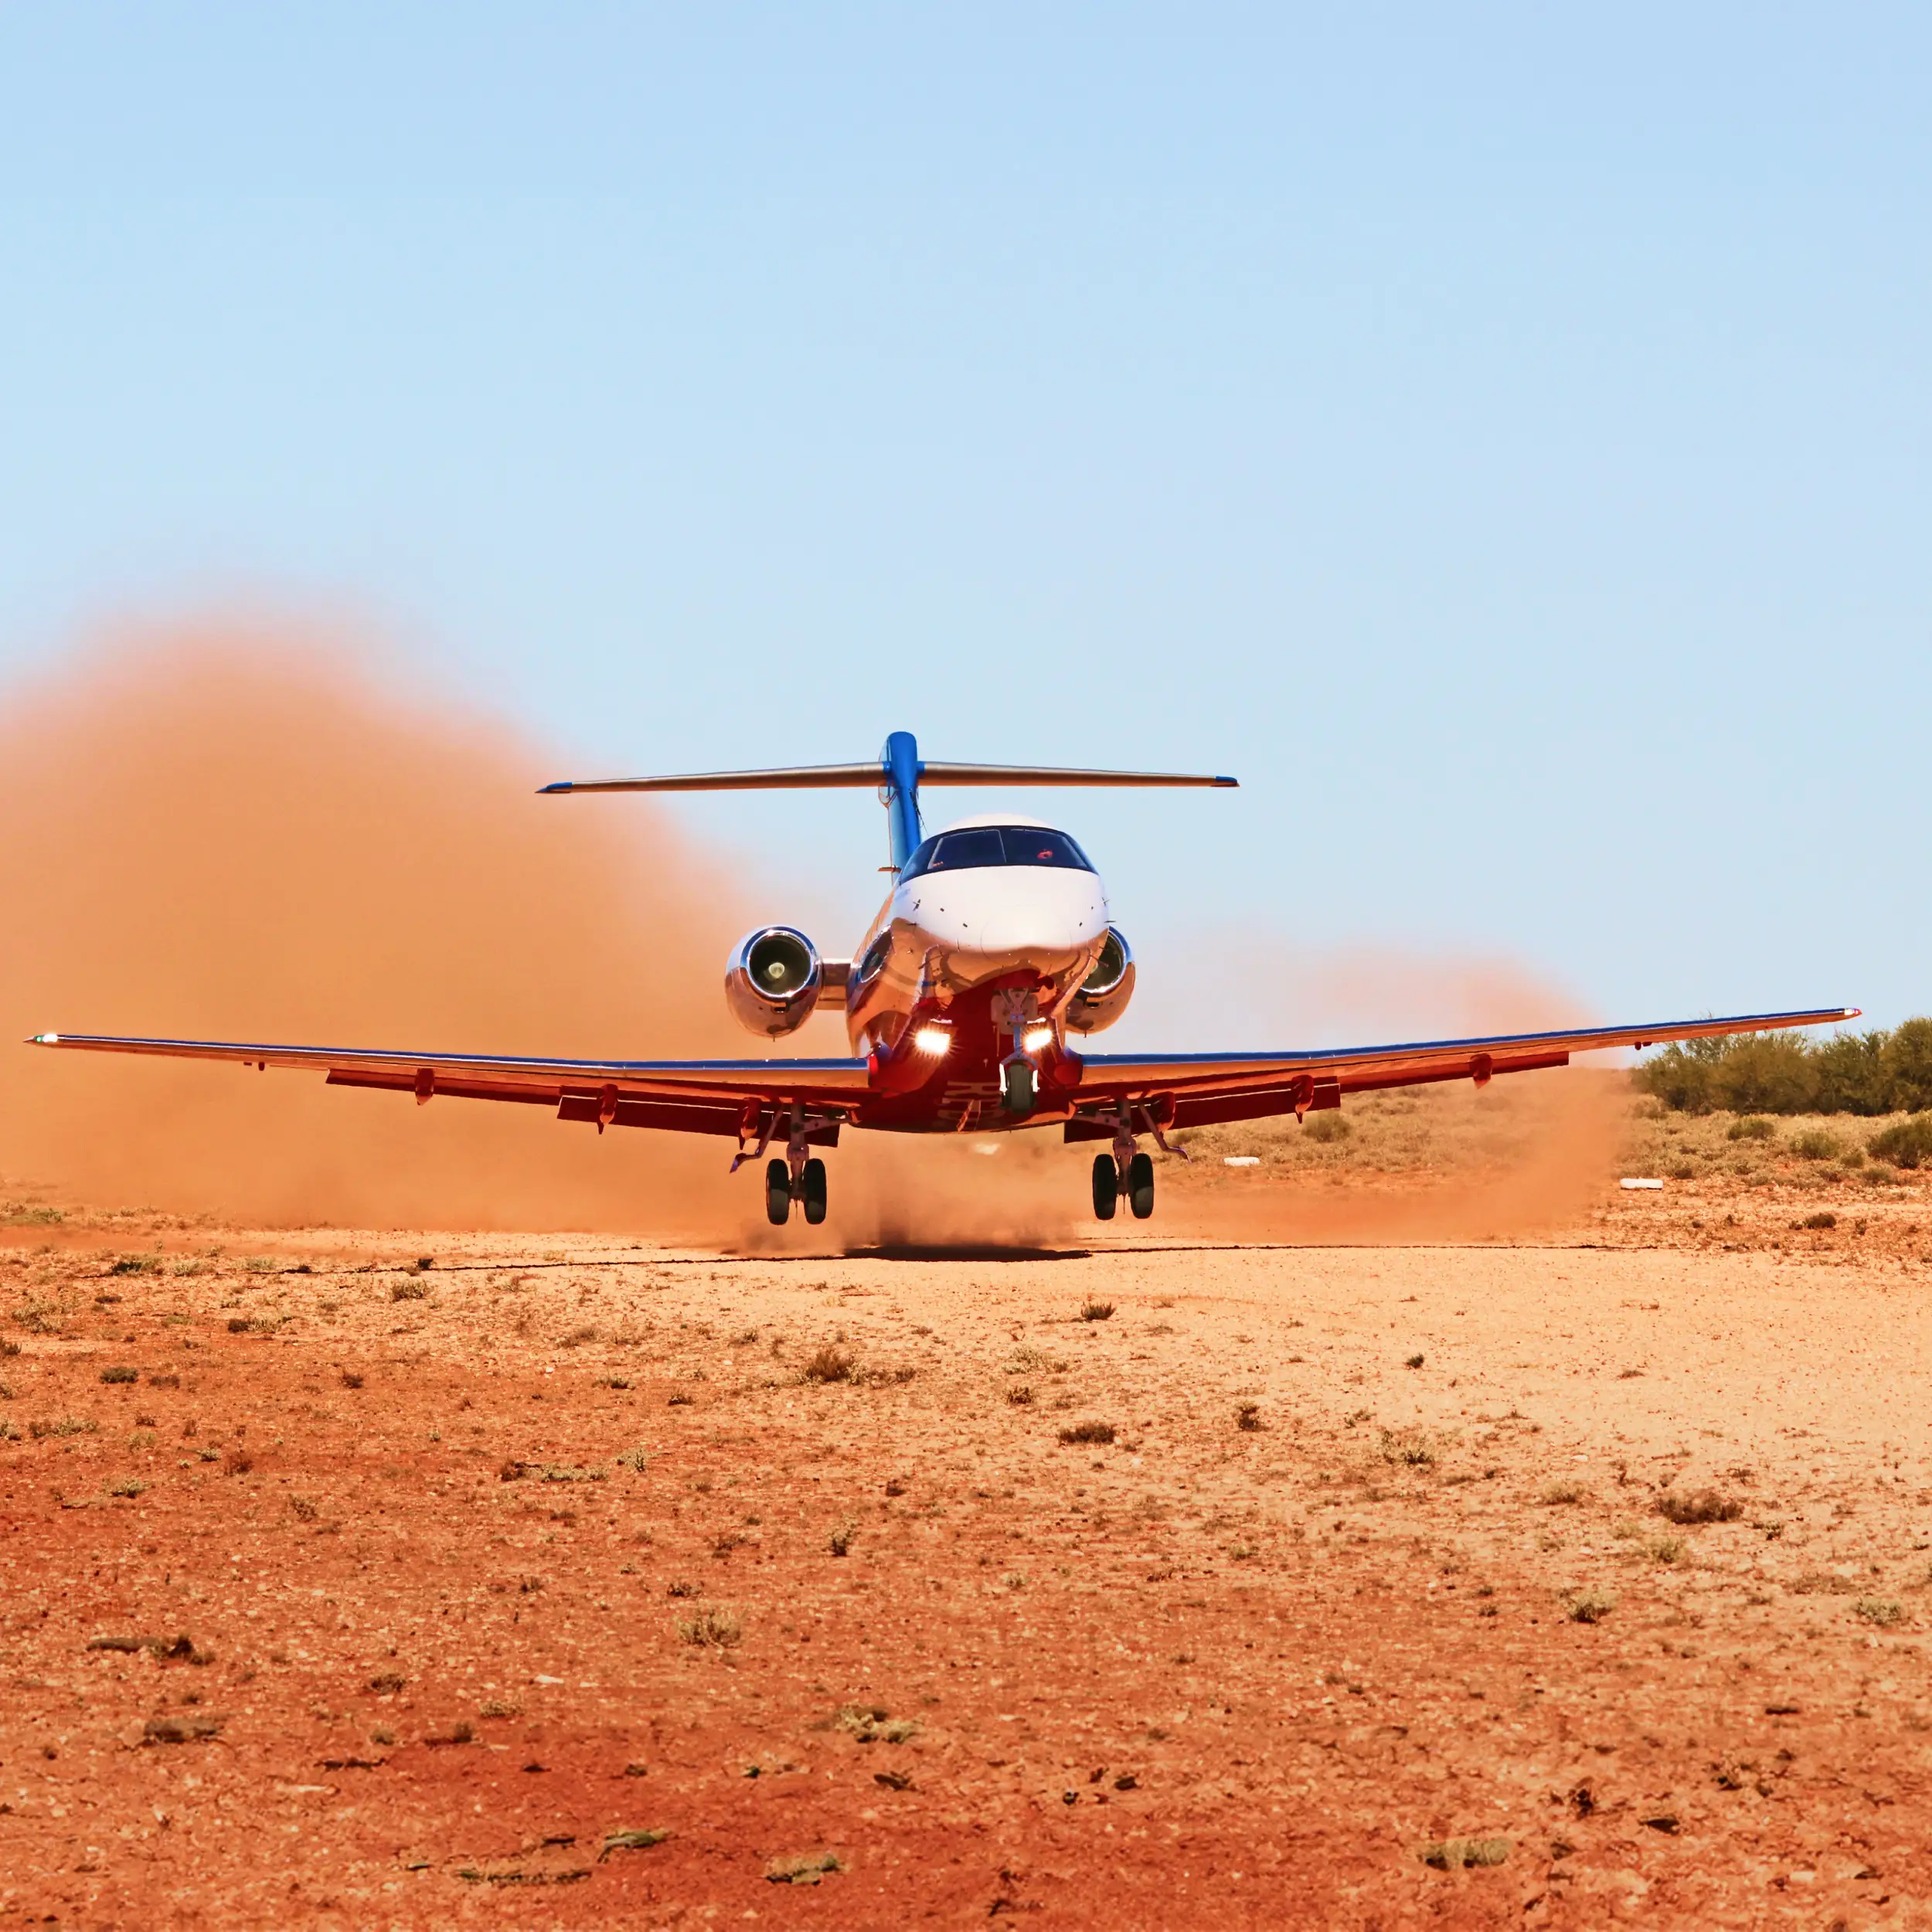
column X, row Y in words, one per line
column 1501, row 437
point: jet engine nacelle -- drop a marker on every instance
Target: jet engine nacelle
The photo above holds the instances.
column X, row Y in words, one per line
column 1104, row 992
column 773, row 980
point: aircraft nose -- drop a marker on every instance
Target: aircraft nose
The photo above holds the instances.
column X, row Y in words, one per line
column 1013, row 908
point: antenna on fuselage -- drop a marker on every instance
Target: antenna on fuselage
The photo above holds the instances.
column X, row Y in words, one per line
column 898, row 773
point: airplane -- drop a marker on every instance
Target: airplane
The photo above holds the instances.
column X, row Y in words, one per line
column 994, row 949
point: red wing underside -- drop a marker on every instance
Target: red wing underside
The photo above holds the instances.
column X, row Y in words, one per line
column 744, row 1098
column 1196, row 1089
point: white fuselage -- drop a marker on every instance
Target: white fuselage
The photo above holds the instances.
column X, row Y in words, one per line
column 951, row 939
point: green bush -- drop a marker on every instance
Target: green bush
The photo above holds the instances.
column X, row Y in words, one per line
column 1907, row 1059
column 1904, row 1143
column 1784, row 1072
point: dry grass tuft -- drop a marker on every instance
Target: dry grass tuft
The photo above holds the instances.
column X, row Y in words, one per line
column 1699, row 1506
column 1454, row 1854
column 1590, row 1605
column 1408, row 1448
column 711, row 1628
column 1092, row 1311
column 803, row 1871
column 1559, row 1494
column 1880, row 1611
column 829, row 1364
column 1099, row 1432
column 1248, row 1416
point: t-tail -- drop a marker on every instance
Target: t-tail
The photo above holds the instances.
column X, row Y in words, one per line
column 899, row 773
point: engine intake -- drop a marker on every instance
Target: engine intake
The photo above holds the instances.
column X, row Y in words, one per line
column 773, row 982
column 1104, row 992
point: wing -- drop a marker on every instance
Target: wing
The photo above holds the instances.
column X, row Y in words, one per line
column 1194, row 1090
column 691, row 1096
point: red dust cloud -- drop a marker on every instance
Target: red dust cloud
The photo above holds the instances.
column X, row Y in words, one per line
column 222, row 835
column 235, row 832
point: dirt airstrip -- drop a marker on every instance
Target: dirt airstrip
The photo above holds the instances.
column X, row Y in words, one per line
column 367, row 1580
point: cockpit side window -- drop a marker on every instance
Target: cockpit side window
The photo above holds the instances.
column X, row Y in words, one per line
column 982, row 845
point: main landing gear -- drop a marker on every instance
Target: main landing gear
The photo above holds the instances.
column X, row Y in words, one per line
column 1131, row 1174
column 794, row 1177
column 781, row 1191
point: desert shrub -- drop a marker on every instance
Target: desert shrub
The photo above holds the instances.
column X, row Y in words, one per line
column 1327, row 1126
column 120, row 1372
column 1091, row 1310
column 803, row 1871
column 1906, row 1143
column 1817, row 1145
column 1860, row 1074
column 1851, row 1074
column 1453, row 1853
column 1699, row 1506
column 711, row 1628
column 1907, row 1058
column 1248, row 1416
column 1021, row 1395
column 840, row 1540
column 1824, row 1218
column 1822, row 1582
column 1099, row 1432
column 1560, row 1495
column 408, row 1291
column 1590, row 1606
column 1880, row 1611
column 1027, row 1357
column 1751, row 1127
column 1410, row 1447
column 829, row 1364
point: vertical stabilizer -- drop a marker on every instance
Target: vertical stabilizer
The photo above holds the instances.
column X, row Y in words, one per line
column 900, row 792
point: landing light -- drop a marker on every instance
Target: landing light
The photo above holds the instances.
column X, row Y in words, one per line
column 932, row 1040
column 1036, row 1037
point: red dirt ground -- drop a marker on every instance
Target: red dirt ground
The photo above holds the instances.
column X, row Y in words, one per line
column 436, row 1539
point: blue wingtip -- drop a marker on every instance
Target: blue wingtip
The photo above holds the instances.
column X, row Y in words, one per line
column 1232, row 784
column 563, row 785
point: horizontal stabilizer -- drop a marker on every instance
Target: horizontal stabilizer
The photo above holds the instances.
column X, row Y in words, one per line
column 825, row 778
column 941, row 774
column 784, row 778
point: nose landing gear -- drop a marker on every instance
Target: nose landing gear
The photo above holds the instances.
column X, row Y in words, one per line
column 1018, row 1085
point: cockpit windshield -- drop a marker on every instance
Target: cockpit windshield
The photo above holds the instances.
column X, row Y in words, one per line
column 995, row 846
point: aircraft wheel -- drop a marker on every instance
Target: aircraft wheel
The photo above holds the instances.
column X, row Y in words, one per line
column 1106, row 1186
column 1016, row 1089
column 778, row 1193
column 813, row 1181
column 1140, row 1185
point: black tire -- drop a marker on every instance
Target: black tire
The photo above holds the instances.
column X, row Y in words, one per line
column 1016, row 1089
column 813, row 1191
column 1140, row 1185
column 778, row 1193
column 1106, row 1186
